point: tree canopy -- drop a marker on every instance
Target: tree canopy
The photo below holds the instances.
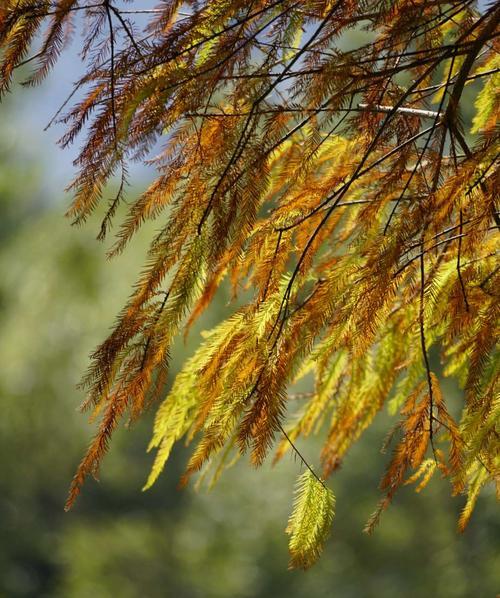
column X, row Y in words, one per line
column 321, row 158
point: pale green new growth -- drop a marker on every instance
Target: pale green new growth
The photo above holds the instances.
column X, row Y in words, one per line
column 310, row 522
column 487, row 100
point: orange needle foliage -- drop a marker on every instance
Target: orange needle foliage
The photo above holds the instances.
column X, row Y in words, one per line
column 341, row 183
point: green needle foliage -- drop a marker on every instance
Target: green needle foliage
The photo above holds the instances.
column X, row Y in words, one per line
column 310, row 522
column 339, row 182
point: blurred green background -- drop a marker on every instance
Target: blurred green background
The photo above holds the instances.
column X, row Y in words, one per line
column 58, row 297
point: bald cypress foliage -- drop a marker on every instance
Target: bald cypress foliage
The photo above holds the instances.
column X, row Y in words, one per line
column 345, row 185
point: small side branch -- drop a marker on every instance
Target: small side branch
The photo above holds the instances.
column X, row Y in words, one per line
column 107, row 8
column 400, row 110
column 300, row 456
column 459, row 266
column 424, row 347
